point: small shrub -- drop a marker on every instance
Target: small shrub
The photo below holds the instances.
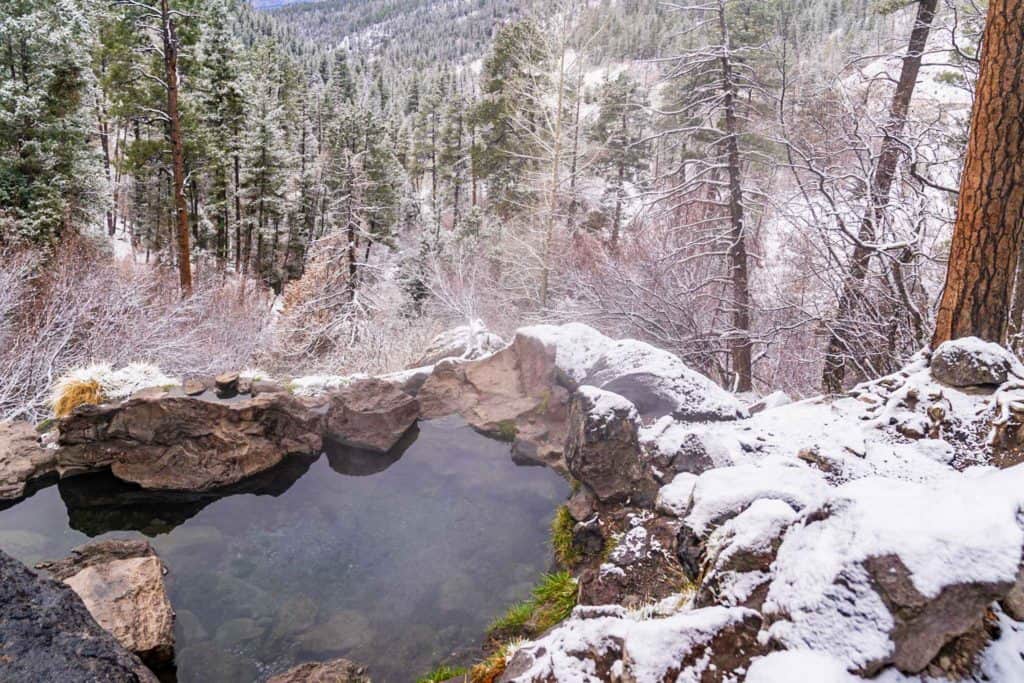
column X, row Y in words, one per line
column 561, row 538
column 76, row 392
column 443, row 673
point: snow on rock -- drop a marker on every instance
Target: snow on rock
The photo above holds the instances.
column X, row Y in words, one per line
column 947, row 549
column 600, row 644
column 117, row 384
column 972, row 362
column 656, row 381
column 317, row 385
column 674, row 498
column 467, row 342
column 722, row 493
column 604, row 405
column 799, row 665
column 659, row 383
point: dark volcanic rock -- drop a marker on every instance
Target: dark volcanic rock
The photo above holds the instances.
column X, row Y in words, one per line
column 47, row 634
column 603, row 451
column 187, row 444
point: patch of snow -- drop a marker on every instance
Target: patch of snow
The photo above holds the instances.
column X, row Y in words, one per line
column 725, row 491
column 957, row 530
column 799, row 665
column 605, row 404
column 577, row 347
column 315, row 385
column 674, row 498
column 117, row 384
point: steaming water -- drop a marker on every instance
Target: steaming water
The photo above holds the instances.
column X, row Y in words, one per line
column 397, row 562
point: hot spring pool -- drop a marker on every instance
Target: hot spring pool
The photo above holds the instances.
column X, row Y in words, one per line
column 397, row 562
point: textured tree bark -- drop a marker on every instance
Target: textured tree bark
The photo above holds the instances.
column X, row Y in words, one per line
column 739, row 340
column 989, row 228
column 884, row 173
column 170, row 41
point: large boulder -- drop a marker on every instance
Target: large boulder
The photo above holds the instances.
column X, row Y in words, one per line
column 371, row 414
column 122, row 585
column 971, row 362
column 711, row 645
column 468, row 342
column 334, row 671
column 602, row 450
column 522, row 391
column 892, row 572
column 22, row 459
column 47, row 634
column 172, row 442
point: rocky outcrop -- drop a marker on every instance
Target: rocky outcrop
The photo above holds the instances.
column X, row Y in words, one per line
column 47, row 634
column 166, row 441
column 371, row 414
column 522, row 392
column 335, row 671
column 972, row 362
column 23, row 460
column 602, row 450
column 121, row 583
column 712, row 645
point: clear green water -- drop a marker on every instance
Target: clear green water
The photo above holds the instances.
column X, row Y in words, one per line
column 396, row 562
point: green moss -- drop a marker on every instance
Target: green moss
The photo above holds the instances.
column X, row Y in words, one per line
column 561, row 538
column 553, row 600
column 443, row 673
column 46, row 425
column 506, row 430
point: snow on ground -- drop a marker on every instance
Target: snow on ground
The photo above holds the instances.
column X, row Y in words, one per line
column 117, row 384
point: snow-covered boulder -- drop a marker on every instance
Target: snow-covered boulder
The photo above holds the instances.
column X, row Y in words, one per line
column 522, row 391
column 738, row 555
column 710, row 645
column 889, row 572
column 972, row 362
column 799, row 665
column 602, row 450
column 659, row 383
column 468, row 342
column 722, row 493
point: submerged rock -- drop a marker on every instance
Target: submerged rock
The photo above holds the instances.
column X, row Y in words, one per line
column 178, row 443
column 335, row 671
column 121, row 583
column 47, row 634
column 972, row 362
column 23, row 460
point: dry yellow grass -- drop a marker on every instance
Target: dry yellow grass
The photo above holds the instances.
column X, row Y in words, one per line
column 76, row 392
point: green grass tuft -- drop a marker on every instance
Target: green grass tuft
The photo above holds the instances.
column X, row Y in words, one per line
column 561, row 538
column 443, row 673
column 552, row 601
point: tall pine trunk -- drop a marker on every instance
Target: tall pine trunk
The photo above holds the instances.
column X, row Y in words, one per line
column 834, row 373
column 170, row 44
column 739, row 338
column 989, row 228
